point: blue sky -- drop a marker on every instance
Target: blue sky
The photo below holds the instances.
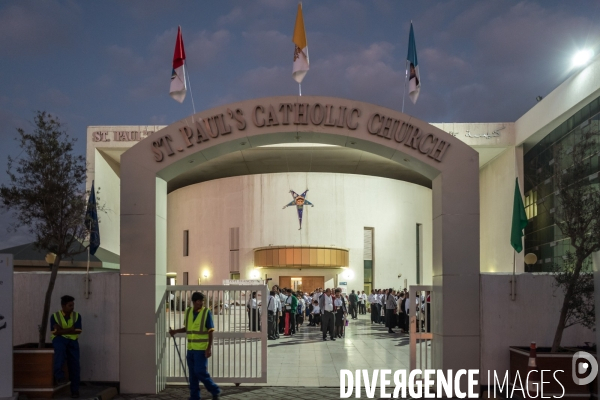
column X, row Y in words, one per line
column 109, row 62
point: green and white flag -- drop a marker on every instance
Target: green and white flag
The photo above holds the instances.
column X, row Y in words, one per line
column 414, row 80
column 519, row 220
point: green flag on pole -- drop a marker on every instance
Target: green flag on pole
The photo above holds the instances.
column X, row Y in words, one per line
column 519, row 220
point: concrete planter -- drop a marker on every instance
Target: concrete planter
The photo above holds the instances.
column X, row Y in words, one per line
column 33, row 375
column 545, row 360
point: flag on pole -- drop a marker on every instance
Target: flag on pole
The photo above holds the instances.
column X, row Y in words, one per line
column 91, row 222
column 178, row 86
column 519, row 220
column 300, row 67
column 414, row 80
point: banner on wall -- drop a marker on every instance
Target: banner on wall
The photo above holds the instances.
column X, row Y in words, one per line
column 6, row 328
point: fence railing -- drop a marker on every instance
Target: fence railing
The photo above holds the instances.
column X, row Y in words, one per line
column 239, row 353
column 161, row 345
column 420, row 326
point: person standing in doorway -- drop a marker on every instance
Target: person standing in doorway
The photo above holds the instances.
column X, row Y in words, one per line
column 66, row 327
column 353, row 300
column 199, row 327
column 327, row 316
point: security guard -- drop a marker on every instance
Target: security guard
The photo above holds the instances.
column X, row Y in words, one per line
column 199, row 328
column 66, row 327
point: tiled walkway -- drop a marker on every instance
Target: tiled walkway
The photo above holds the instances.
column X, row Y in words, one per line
column 306, row 360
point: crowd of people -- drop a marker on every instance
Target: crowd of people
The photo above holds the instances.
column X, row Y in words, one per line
column 329, row 309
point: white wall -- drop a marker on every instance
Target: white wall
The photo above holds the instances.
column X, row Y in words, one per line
column 344, row 206
column 108, row 186
column 496, row 191
column 578, row 90
column 532, row 317
column 99, row 342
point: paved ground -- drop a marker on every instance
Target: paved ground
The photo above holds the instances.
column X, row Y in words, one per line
column 251, row 393
column 306, row 360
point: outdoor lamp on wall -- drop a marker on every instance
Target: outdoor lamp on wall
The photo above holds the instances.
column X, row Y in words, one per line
column 530, row 259
column 582, row 57
column 348, row 274
column 50, row 257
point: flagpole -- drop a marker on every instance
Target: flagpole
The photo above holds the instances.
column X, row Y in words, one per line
column 514, row 278
column 404, row 92
column 190, row 85
column 87, row 276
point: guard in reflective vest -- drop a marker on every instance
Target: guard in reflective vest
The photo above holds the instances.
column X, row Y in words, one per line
column 66, row 327
column 199, row 329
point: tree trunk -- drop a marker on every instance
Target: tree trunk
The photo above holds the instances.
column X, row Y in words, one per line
column 47, row 300
column 565, row 306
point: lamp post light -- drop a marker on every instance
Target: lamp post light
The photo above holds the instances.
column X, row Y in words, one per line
column 530, row 259
column 50, row 258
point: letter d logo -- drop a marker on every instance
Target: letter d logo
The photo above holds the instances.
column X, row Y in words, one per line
column 583, row 368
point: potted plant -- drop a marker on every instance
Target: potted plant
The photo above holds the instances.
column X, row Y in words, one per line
column 45, row 195
column 576, row 213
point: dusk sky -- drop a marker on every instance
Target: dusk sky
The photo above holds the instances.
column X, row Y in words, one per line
column 109, row 62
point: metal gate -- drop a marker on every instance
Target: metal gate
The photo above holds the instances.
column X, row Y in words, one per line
column 420, row 327
column 239, row 352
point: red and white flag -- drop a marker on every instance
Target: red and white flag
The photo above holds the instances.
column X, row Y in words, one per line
column 178, row 86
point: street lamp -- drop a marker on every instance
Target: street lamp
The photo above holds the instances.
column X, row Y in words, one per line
column 530, row 259
column 50, row 258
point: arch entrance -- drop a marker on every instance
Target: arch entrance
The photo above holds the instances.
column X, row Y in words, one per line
column 146, row 169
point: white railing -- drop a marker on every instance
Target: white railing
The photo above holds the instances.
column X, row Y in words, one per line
column 420, row 327
column 239, row 353
column 161, row 346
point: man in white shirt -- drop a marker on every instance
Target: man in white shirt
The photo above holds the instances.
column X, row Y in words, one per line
column 278, row 313
column 372, row 300
column 253, row 316
column 272, row 313
column 300, row 315
column 282, row 299
column 327, row 315
column 316, row 294
column 362, row 300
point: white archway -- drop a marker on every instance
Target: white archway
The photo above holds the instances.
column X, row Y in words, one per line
column 146, row 168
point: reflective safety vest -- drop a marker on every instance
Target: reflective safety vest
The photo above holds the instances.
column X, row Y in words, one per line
column 60, row 320
column 197, row 334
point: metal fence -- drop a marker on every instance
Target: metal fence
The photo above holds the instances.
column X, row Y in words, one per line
column 420, row 326
column 161, row 345
column 239, row 353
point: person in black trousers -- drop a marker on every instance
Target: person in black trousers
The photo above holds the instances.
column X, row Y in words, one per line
column 353, row 299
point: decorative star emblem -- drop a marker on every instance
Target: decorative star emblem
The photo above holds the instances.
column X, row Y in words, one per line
column 299, row 200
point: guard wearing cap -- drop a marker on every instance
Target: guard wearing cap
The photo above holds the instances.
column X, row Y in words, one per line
column 199, row 329
column 66, row 328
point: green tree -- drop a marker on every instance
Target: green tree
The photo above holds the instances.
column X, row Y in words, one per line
column 577, row 205
column 47, row 195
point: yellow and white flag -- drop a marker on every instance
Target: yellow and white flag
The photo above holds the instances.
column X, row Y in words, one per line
column 300, row 67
